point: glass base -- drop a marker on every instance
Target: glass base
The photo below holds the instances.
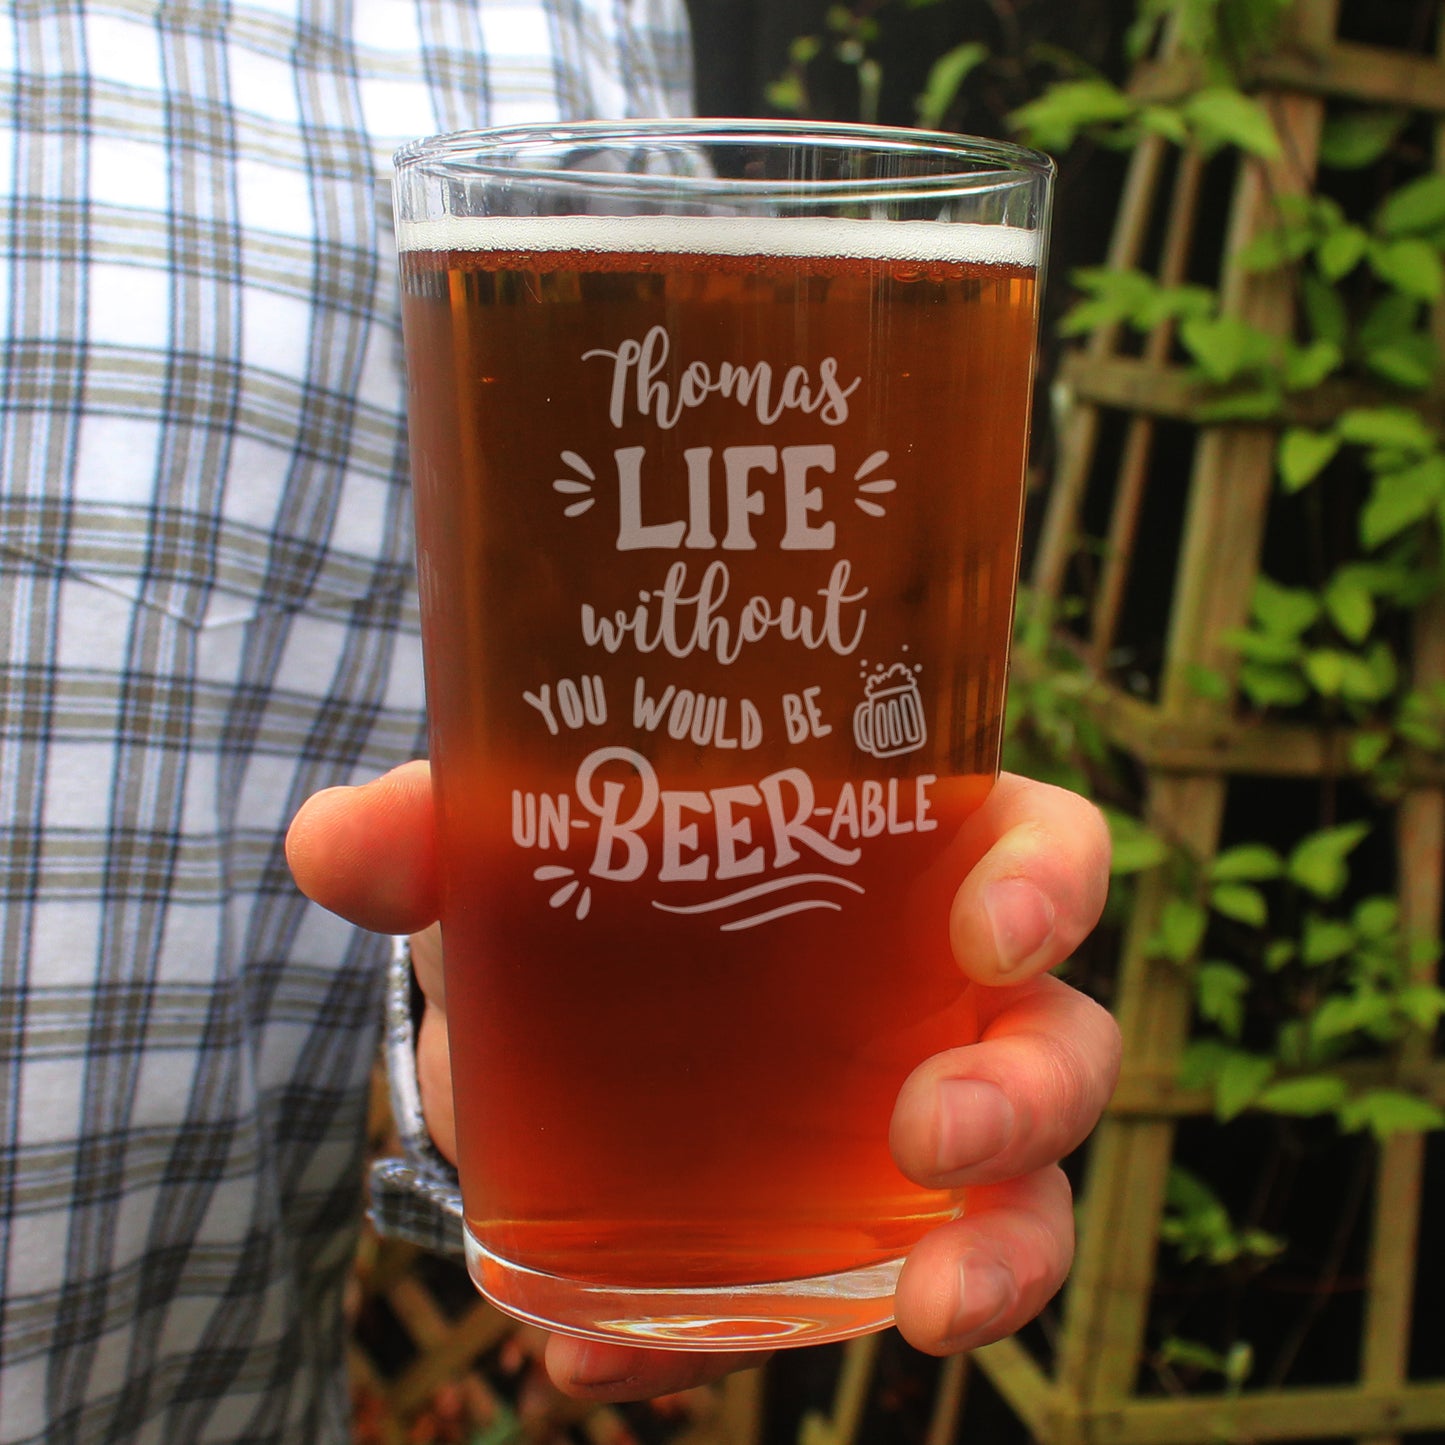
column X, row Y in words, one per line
column 725, row 1317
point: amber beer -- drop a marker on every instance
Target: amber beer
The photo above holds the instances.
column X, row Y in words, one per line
column 718, row 528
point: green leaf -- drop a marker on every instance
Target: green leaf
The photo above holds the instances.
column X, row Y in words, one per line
column 1261, row 1244
column 1086, row 317
column 1200, row 1062
column 1239, row 1082
column 1377, row 917
column 1305, row 1096
column 1341, row 251
column 1133, row 297
column 1272, row 686
column 1279, row 954
column 1259, row 403
column 1367, row 749
column 1223, row 116
column 1318, row 861
column 1398, row 578
column 1054, row 120
column 1420, row 720
column 1401, row 498
column 1224, row 347
column 1114, row 295
column 1424, row 949
column 1219, row 992
column 1207, row 682
column 1358, row 138
column 1246, row 863
column 1181, row 930
column 1165, row 120
column 1416, row 207
column 1327, row 668
column 1328, row 317
column 1341, row 1015
column 1388, row 320
column 1390, row 1111
column 1324, row 940
column 1412, row 266
column 1372, row 677
column 1350, row 605
column 1271, row 648
column 1303, row 455
column 1135, row 847
column 1218, row 346
column 786, row 94
column 945, row 78
column 1248, row 28
column 1308, row 366
column 1320, row 211
column 1191, row 1355
column 1241, row 902
column 1389, row 578
column 1283, row 611
column 1175, row 303
column 1367, row 677
column 1423, row 1004
column 1422, row 733
column 1292, row 1048
column 1408, row 361
column 1277, row 247
column 1385, row 426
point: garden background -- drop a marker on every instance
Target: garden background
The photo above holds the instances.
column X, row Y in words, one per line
column 1231, row 636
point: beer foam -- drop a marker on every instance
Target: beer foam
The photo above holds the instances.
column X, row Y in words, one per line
column 833, row 237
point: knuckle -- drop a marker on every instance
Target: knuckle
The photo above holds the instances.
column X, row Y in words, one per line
column 1077, row 1071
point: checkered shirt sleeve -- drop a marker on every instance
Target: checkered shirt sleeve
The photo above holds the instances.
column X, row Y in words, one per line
column 206, row 614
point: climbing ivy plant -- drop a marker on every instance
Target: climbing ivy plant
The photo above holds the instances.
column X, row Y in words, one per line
column 1366, row 281
column 1329, row 650
column 1298, row 960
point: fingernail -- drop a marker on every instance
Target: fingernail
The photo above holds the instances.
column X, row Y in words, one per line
column 1022, row 918
column 985, row 1291
column 975, row 1122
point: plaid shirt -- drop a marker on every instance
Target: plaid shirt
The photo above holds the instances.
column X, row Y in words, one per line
column 206, row 614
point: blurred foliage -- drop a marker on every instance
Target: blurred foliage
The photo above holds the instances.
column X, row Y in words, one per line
column 1298, row 955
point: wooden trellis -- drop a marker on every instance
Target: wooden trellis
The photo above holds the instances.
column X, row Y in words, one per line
column 1189, row 748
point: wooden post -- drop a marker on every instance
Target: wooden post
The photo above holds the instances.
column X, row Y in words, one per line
column 1394, row 1241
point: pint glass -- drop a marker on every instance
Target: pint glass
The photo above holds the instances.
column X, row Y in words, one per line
column 718, row 437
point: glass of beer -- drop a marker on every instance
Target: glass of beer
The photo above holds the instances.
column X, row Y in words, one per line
column 718, row 438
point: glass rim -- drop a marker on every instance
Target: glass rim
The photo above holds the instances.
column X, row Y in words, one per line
column 979, row 163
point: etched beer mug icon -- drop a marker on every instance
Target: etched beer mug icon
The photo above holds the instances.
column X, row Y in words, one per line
column 707, row 419
column 889, row 720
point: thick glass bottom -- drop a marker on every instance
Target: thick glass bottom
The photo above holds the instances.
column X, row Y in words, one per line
column 730, row 1317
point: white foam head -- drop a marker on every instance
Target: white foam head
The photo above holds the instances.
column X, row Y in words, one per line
column 833, row 237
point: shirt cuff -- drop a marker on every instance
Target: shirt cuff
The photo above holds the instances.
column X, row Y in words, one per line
column 414, row 1197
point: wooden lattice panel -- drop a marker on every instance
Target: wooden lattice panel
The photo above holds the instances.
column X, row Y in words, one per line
column 1190, row 747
